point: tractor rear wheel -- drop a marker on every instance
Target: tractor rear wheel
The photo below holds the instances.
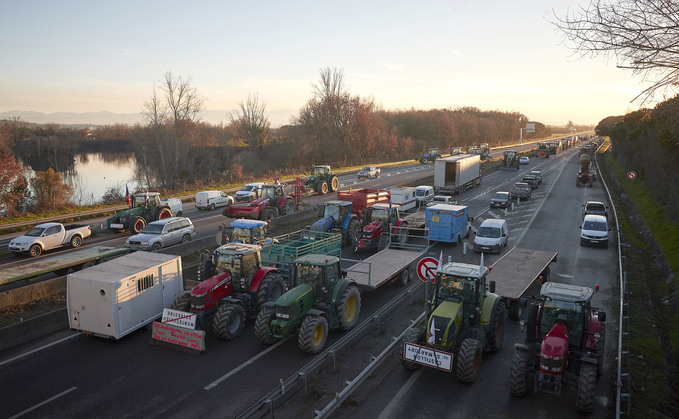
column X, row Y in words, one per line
column 270, row 289
column 268, row 214
column 518, row 375
column 229, row 321
column 182, row 302
column 383, row 242
column 411, row 336
column 334, row 183
column 137, row 225
column 288, row 207
column 313, row 334
column 469, row 361
column 584, row 400
column 348, row 308
column 163, row 213
column 496, row 331
column 424, row 160
column 262, row 324
column 353, row 231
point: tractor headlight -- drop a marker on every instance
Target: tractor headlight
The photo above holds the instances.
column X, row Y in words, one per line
column 283, row 315
column 286, row 313
column 551, row 363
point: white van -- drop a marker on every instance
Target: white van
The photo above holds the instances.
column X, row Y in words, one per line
column 175, row 205
column 424, row 195
column 491, row 236
column 594, row 230
column 249, row 192
column 212, row 199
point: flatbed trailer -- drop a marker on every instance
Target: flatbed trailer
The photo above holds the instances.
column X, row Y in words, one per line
column 385, row 266
column 416, row 219
column 516, row 271
column 60, row 264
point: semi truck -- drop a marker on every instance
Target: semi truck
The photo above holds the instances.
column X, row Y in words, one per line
column 456, row 174
column 117, row 297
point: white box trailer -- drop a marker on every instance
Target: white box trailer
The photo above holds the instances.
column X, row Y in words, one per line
column 455, row 174
column 114, row 298
column 403, row 197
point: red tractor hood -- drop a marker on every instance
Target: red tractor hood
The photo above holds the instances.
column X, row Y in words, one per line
column 258, row 202
column 375, row 227
column 555, row 343
column 210, row 284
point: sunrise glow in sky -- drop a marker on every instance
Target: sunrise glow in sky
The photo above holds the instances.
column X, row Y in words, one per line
column 89, row 56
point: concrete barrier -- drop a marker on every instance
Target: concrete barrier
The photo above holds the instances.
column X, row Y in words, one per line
column 33, row 328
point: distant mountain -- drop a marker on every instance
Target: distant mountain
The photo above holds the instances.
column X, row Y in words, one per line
column 276, row 118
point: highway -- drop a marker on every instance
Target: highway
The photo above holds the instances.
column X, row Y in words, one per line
column 82, row 376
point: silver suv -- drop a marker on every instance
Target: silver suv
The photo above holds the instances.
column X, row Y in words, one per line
column 162, row 233
column 520, row 190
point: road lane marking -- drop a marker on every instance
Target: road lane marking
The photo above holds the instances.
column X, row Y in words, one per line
column 565, row 276
column 394, row 409
column 241, row 366
column 30, row 409
column 38, row 349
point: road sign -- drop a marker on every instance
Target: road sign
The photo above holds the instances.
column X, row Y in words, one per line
column 426, row 268
column 429, row 357
column 631, row 175
column 530, row 127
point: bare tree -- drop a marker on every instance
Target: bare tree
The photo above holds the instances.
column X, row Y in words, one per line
column 641, row 35
column 250, row 124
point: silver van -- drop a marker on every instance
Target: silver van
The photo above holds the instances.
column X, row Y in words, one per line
column 162, row 233
column 491, row 236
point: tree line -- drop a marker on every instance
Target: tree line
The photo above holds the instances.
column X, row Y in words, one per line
column 175, row 150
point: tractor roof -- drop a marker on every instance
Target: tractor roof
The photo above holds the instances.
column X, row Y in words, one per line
column 338, row 203
column 566, row 292
column 463, row 269
column 243, row 223
column 384, row 205
column 317, row 260
column 238, row 249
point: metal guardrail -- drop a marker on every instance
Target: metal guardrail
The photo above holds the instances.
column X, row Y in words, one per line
column 623, row 305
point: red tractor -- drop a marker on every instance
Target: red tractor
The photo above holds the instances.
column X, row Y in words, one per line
column 237, row 287
column 273, row 203
column 564, row 345
column 381, row 226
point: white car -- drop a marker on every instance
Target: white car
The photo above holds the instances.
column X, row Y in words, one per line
column 524, row 160
column 442, row 199
column 369, row 172
column 594, row 230
column 249, row 192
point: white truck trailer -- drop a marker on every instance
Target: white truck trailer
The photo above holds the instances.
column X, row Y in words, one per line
column 117, row 297
column 455, row 174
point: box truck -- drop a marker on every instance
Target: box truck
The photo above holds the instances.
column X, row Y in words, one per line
column 115, row 298
column 456, row 174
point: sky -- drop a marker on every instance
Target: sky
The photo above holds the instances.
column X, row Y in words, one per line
column 90, row 56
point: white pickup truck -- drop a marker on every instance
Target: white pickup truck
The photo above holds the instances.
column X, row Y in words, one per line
column 48, row 236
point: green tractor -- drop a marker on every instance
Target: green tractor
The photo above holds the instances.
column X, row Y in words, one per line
column 323, row 299
column 322, row 180
column 144, row 208
column 464, row 320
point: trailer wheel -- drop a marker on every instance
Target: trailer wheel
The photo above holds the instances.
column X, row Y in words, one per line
column 584, row 401
column 229, row 321
column 76, row 241
column 263, row 323
column 182, row 302
column 411, row 336
column 270, row 289
column 518, row 375
column 348, row 308
column 353, row 231
column 313, row 334
column 469, row 361
column 496, row 331
column 404, row 277
column 61, row 272
column 515, row 310
column 35, row 251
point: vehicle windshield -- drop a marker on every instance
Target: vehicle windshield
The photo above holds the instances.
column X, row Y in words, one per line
column 596, row 207
column 231, row 263
column 569, row 313
column 491, row 232
column 501, row 195
column 439, row 199
column 450, row 285
column 153, row 229
column 379, row 214
column 365, row 169
column 243, row 234
column 332, row 211
column 318, row 170
column 595, row 225
column 268, row 191
column 35, row 232
column 420, row 192
column 247, row 188
column 308, row 274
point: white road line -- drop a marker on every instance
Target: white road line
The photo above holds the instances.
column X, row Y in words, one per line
column 393, row 409
column 241, row 366
column 479, row 219
column 565, row 276
column 493, row 214
column 30, row 409
column 38, row 349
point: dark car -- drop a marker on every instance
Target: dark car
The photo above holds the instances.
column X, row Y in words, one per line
column 537, row 174
column 595, row 208
column 500, row 200
column 520, row 190
column 531, row 180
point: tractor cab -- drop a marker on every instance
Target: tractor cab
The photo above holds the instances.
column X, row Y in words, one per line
column 242, row 260
column 273, row 192
column 566, row 308
column 145, row 199
column 319, row 271
column 248, row 231
column 383, row 213
column 337, row 210
column 320, row 170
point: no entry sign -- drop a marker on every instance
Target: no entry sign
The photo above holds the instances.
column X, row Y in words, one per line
column 631, row 175
column 426, row 269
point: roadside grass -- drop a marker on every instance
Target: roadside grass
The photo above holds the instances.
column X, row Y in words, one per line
column 654, row 319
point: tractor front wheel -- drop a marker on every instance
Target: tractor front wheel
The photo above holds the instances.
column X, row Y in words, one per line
column 496, row 332
column 600, row 345
column 322, row 188
column 270, row 289
column 383, row 242
column 518, row 375
column 348, row 308
column 334, row 183
column 263, row 323
column 229, row 321
column 411, row 336
column 268, row 214
column 182, row 302
column 313, row 334
column 469, row 361
column 288, row 207
column 584, row 400
column 137, row 225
